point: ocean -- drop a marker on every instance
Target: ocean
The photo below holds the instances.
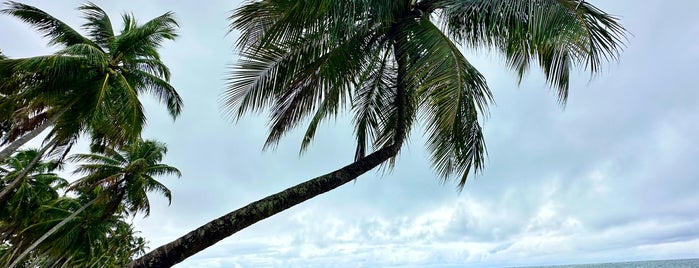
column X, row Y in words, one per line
column 688, row 263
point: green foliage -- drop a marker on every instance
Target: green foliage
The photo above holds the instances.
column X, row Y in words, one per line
column 114, row 188
column 393, row 62
column 124, row 177
column 40, row 186
column 92, row 83
column 86, row 241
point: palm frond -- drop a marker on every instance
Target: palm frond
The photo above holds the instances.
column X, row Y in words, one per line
column 154, row 185
column 159, row 88
column 143, row 40
column 558, row 34
column 55, row 30
column 255, row 81
column 55, row 70
column 97, row 159
column 162, row 170
column 152, row 66
column 373, row 95
column 339, row 67
column 452, row 93
column 98, row 26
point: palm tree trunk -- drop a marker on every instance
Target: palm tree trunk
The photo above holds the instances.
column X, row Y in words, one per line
column 14, row 145
column 49, row 233
column 5, row 194
column 214, row 231
column 218, row 229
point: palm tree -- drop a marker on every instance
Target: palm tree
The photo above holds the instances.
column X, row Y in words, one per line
column 93, row 83
column 88, row 241
column 23, row 118
column 392, row 62
column 38, row 187
column 118, row 180
column 125, row 176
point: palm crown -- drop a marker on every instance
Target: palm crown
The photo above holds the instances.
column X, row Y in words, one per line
column 394, row 62
column 124, row 176
column 93, row 82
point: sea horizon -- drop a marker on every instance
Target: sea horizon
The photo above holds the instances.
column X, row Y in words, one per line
column 674, row 263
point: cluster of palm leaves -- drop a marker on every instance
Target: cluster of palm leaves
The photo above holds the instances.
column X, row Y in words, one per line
column 49, row 222
column 91, row 86
column 395, row 63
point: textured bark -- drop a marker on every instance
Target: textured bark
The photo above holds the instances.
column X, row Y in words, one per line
column 401, row 100
column 6, row 192
column 218, row 229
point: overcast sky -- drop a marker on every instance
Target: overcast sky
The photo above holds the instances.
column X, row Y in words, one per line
column 613, row 176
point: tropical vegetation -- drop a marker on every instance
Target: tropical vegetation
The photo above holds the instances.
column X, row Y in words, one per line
column 88, row 225
column 91, row 85
column 393, row 65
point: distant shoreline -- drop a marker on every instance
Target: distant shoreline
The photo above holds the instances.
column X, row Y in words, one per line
column 678, row 263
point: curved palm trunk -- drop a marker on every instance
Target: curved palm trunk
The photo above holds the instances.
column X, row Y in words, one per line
column 5, row 194
column 225, row 226
column 14, row 145
column 218, row 229
column 49, row 233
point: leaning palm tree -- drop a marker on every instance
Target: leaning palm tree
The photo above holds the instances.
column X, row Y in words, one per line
column 119, row 181
column 390, row 62
column 22, row 118
column 92, row 84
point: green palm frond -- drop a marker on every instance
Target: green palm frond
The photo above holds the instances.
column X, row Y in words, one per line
column 256, row 18
column 452, row 93
column 158, row 87
column 162, row 170
column 98, row 26
column 152, row 66
column 128, row 170
column 393, row 66
column 255, row 80
column 97, row 158
column 55, row 30
column 59, row 67
column 373, row 96
column 143, row 40
column 558, row 34
column 125, row 108
column 313, row 75
column 333, row 74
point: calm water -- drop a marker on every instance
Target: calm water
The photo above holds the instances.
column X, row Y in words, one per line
column 691, row 263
